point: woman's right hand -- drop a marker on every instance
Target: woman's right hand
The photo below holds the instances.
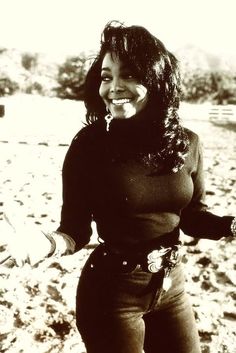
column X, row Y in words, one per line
column 25, row 243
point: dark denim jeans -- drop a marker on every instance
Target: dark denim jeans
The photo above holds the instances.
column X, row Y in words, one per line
column 127, row 312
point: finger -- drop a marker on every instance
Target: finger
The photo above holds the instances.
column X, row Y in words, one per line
column 9, row 222
column 4, row 259
column 9, row 263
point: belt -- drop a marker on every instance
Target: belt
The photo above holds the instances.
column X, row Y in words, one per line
column 159, row 261
column 151, row 261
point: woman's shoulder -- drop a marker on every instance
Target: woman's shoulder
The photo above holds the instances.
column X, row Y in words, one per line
column 82, row 144
column 195, row 145
column 87, row 133
column 193, row 137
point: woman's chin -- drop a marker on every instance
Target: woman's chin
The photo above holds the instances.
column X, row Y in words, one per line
column 122, row 115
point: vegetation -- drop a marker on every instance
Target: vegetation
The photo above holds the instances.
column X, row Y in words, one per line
column 219, row 87
column 33, row 73
column 71, row 76
column 7, row 86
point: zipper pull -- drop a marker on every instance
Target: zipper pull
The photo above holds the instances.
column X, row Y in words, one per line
column 167, row 280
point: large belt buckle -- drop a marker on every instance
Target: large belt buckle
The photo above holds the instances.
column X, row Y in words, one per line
column 155, row 259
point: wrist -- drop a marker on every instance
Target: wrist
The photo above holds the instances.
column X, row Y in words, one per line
column 233, row 227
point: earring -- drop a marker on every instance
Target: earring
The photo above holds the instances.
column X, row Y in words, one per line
column 108, row 119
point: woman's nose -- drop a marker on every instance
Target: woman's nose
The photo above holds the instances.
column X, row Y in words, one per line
column 117, row 85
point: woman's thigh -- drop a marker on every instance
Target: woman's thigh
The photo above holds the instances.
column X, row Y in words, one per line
column 112, row 312
column 171, row 326
column 109, row 309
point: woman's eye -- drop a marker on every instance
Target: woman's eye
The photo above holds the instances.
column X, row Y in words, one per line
column 128, row 76
column 124, row 76
column 105, row 78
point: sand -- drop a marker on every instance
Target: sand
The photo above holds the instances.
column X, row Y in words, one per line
column 37, row 304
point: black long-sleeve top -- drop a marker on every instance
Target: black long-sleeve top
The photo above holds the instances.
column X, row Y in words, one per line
column 131, row 205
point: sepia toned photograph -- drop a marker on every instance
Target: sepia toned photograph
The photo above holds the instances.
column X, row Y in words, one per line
column 117, row 176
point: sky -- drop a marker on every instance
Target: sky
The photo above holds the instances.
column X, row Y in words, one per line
column 71, row 26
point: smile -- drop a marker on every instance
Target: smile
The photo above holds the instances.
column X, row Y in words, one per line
column 120, row 101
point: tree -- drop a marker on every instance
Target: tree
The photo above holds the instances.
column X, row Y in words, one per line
column 29, row 61
column 225, row 87
column 71, row 77
column 218, row 86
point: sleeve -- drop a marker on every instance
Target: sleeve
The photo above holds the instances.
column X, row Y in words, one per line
column 76, row 215
column 195, row 219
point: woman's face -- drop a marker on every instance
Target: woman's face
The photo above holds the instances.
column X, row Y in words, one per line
column 121, row 92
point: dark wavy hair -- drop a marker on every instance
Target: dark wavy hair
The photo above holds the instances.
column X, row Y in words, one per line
column 157, row 69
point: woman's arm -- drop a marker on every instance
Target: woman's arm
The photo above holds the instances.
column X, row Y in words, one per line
column 76, row 215
column 196, row 220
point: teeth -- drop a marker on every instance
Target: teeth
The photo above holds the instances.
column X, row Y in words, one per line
column 120, row 101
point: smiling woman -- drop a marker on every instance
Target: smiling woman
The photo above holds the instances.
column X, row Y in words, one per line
column 129, row 76
column 138, row 173
column 122, row 93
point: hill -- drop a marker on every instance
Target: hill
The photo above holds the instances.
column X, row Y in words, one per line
column 193, row 57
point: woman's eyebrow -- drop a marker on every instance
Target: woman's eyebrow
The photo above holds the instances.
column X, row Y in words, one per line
column 123, row 67
column 105, row 69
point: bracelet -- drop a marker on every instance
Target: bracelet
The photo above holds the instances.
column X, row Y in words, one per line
column 61, row 243
column 233, row 227
column 53, row 244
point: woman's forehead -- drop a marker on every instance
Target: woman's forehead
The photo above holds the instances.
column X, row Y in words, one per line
column 111, row 58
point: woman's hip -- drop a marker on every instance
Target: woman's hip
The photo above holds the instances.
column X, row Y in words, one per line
column 107, row 282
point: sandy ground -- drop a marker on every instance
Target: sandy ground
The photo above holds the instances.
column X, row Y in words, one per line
column 37, row 304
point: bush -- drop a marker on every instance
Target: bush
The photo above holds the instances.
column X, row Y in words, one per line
column 225, row 88
column 218, row 87
column 34, row 88
column 29, row 61
column 7, row 86
column 197, row 85
column 71, row 77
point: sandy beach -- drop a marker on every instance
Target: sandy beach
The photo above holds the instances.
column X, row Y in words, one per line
column 37, row 304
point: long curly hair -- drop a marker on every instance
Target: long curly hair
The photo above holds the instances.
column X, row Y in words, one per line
column 158, row 70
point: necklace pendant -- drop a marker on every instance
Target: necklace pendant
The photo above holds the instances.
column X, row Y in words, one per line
column 108, row 119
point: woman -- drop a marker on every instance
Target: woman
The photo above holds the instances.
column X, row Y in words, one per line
column 138, row 174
